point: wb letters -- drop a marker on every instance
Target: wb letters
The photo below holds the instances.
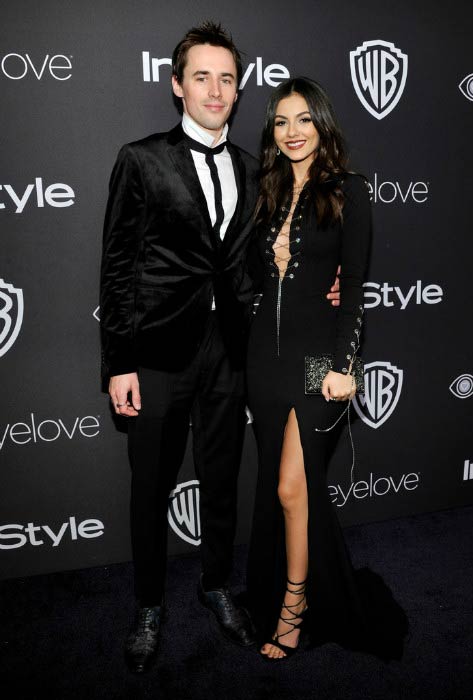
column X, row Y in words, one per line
column 378, row 73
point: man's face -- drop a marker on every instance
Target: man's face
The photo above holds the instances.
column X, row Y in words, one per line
column 209, row 86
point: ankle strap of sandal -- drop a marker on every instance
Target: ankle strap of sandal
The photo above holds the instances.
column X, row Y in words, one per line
column 299, row 588
column 293, row 583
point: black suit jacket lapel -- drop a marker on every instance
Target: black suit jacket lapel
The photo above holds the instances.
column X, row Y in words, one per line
column 240, row 179
column 184, row 163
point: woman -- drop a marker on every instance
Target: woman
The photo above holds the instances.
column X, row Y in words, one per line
column 312, row 216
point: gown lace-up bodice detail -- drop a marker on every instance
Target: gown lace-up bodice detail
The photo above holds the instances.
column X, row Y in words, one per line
column 282, row 244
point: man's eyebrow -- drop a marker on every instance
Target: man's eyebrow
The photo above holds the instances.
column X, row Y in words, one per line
column 207, row 72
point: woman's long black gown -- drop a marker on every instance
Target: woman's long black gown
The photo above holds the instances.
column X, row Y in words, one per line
column 294, row 319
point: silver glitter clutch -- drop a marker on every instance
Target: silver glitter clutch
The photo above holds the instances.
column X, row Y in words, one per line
column 317, row 367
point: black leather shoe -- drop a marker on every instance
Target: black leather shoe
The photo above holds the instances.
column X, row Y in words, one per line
column 234, row 622
column 142, row 642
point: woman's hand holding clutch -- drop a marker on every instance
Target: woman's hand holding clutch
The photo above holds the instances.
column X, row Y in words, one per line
column 338, row 387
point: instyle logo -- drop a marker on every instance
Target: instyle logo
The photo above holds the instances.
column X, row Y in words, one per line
column 388, row 191
column 55, row 195
column 462, row 386
column 467, row 470
column 184, row 511
column 374, row 486
column 11, row 315
column 378, row 73
column 272, row 75
column 48, row 430
column 466, row 87
column 13, row 536
column 383, row 384
column 16, row 66
column 391, row 296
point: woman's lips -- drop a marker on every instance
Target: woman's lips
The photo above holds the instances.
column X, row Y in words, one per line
column 294, row 145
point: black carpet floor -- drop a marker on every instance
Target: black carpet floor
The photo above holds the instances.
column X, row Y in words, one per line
column 62, row 634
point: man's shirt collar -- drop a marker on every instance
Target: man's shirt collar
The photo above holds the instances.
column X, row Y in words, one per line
column 192, row 129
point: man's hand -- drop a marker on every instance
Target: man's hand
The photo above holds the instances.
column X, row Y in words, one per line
column 334, row 294
column 121, row 385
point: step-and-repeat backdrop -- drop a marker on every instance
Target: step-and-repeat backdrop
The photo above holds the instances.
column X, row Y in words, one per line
column 77, row 81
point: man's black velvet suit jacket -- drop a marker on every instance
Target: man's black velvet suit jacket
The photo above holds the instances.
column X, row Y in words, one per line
column 162, row 263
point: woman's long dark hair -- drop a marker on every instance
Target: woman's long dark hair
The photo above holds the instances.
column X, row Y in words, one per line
column 324, row 173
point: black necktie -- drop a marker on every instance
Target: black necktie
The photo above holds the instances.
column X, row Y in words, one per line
column 210, row 160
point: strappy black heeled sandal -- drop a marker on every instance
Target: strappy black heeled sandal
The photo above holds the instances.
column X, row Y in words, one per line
column 289, row 651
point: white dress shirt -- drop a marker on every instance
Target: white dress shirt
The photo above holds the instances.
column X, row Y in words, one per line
column 224, row 165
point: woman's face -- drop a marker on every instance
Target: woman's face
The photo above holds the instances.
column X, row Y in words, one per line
column 294, row 131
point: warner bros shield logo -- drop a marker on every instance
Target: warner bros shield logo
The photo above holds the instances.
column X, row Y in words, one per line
column 383, row 384
column 184, row 511
column 11, row 315
column 379, row 73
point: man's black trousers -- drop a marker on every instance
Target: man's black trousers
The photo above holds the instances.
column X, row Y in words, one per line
column 212, row 392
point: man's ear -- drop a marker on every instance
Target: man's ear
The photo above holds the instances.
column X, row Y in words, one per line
column 176, row 87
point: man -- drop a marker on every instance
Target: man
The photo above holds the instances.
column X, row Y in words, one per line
column 175, row 303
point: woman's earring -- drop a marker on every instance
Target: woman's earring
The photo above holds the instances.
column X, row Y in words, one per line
column 278, row 151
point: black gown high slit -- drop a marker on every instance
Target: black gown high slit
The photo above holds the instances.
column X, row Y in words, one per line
column 294, row 319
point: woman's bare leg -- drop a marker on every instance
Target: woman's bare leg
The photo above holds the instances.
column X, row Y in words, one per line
column 292, row 491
